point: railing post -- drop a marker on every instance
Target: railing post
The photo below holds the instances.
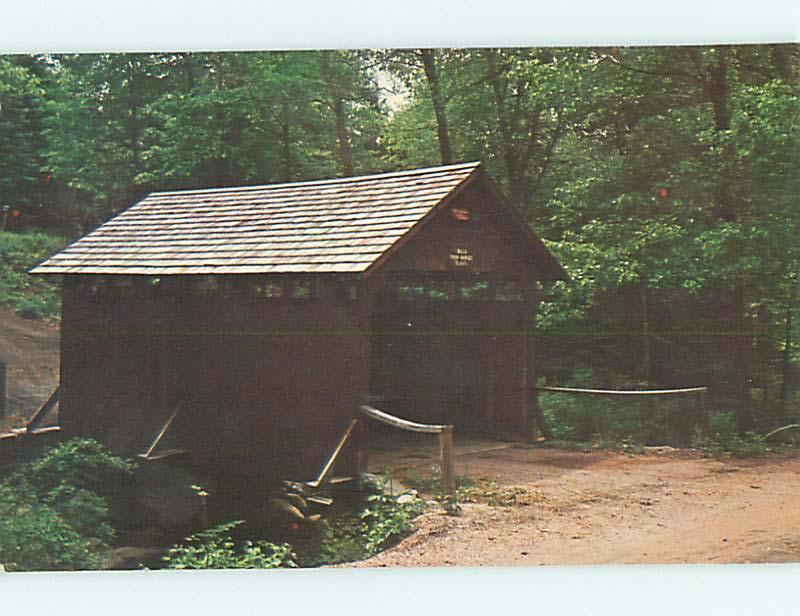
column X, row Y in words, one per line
column 704, row 420
column 446, row 461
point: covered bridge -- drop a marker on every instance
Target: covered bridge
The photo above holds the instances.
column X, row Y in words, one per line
column 265, row 314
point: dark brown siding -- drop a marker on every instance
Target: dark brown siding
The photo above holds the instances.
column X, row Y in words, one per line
column 457, row 360
column 489, row 237
column 268, row 384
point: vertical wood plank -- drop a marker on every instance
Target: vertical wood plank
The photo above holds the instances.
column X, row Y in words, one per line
column 490, row 385
column 525, row 384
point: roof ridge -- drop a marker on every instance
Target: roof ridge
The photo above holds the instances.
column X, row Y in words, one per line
column 344, row 180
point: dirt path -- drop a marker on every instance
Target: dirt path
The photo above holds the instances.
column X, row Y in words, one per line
column 595, row 508
column 29, row 348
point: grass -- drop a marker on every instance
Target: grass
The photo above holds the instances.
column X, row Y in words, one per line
column 474, row 490
column 32, row 297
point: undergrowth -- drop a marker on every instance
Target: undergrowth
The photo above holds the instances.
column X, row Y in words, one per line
column 473, row 490
column 33, row 297
column 55, row 510
column 723, row 438
column 215, row 549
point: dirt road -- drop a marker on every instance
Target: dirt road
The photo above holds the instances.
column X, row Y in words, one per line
column 599, row 507
column 29, row 348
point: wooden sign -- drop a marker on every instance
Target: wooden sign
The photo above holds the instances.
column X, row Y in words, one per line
column 461, row 257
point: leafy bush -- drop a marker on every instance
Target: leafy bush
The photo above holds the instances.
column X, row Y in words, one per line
column 79, row 462
column 49, row 508
column 35, row 537
column 618, row 422
column 30, row 296
column 723, row 437
column 343, row 541
column 384, row 521
column 84, row 511
column 388, row 519
column 214, row 549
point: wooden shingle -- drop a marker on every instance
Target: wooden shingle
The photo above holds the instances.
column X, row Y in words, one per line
column 342, row 225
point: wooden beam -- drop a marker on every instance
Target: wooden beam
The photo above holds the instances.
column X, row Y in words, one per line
column 43, row 410
column 332, row 460
column 162, row 432
column 402, row 424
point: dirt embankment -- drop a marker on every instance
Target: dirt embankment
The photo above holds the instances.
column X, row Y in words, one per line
column 596, row 508
column 29, row 348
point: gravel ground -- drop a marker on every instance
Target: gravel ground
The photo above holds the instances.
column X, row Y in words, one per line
column 569, row 507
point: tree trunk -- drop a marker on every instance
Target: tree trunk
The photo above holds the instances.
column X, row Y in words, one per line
column 337, row 103
column 514, row 163
column 134, row 122
column 286, row 145
column 782, row 59
column 786, row 365
column 434, row 84
column 646, row 352
column 715, row 83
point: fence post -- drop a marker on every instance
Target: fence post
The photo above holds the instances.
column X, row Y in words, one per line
column 704, row 414
column 2, row 390
column 447, row 462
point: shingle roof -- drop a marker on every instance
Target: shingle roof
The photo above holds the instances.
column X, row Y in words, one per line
column 340, row 225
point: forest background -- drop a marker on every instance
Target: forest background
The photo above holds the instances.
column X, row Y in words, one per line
column 665, row 179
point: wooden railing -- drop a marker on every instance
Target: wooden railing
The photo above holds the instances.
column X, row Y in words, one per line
column 702, row 393
column 323, row 474
column 445, row 433
column 33, row 425
column 151, row 453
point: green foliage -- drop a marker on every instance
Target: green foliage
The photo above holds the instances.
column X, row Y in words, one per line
column 625, row 423
column 84, row 511
column 724, row 437
column 472, row 490
column 432, row 483
column 493, row 494
column 386, row 520
column 582, row 140
column 48, row 512
column 36, row 537
column 78, row 462
column 342, row 541
column 30, row 296
column 214, row 549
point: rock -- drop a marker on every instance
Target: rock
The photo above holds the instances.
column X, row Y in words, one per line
column 406, row 499
column 130, row 557
column 660, row 450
